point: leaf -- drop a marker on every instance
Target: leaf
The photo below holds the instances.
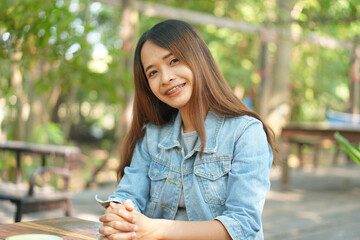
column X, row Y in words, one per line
column 48, row 133
column 349, row 148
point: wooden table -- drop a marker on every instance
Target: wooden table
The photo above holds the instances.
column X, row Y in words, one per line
column 318, row 132
column 66, row 228
column 44, row 150
column 25, row 200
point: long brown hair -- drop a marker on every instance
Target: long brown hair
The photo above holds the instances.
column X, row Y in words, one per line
column 210, row 89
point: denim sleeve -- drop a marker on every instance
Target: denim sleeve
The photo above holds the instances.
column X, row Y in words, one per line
column 135, row 184
column 248, row 183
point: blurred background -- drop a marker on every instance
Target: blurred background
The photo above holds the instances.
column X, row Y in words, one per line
column 66, row 68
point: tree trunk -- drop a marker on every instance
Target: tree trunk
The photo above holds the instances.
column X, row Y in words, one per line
column 266, row 35
column 2, row 116
column 278, row 110
column 35, row 101
column 129, row 21
column 41, row 105
column 17, row 84
column 72, row 109
column 354, row 77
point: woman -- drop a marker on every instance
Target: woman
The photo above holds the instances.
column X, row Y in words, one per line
column 196, row 161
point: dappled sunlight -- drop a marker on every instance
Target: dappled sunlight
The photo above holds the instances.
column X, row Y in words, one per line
column 322, row 201
column 293, row 161
column 351, row 172
column 98, row 65
column 285, row 196
column 66, row 78
column 342, row 91
column 87, row 216
column 311, row 216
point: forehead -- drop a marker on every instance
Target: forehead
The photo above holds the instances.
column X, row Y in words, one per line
column 151, row 53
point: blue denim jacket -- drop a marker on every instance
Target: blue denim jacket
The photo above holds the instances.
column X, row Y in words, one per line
column 228, row 183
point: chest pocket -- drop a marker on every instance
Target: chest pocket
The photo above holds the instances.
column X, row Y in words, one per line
column 158, row 174
column 212, row 174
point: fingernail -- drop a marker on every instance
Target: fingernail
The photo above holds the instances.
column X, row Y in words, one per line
column 135, row 228
column 133, row 235
column 134, row 220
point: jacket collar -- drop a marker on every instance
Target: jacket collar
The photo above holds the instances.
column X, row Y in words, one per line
column 213, row 123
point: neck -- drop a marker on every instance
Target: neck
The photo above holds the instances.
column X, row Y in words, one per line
column 187, row 124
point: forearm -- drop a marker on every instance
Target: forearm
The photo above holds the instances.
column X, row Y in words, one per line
column 174, row 230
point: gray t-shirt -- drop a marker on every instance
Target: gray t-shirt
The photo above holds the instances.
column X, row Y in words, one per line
column 188, row 141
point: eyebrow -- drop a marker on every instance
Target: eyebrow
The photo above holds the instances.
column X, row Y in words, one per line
column 164, row 57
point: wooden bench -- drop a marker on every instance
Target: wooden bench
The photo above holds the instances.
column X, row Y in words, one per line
column 37, row 193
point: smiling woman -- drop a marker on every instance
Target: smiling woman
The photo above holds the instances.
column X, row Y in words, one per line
column 196, row 161
column 169, row 79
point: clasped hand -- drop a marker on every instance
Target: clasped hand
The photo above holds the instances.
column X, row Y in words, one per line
column 121, row 221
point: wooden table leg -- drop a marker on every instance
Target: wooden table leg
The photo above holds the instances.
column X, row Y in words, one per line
column 285, row 165
column 19, row 211
column 18, row 168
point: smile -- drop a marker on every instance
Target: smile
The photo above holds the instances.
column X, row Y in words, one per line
column 175, row 89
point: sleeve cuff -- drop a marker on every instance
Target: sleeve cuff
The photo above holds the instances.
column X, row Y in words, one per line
column 232, row 227
column 105, row 204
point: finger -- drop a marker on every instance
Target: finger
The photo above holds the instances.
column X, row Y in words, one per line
column 123, row 236
column 114, row 204
column 122, row 226
column 108, row 209
column 108, row 217
column 125, row 214
column 106, row 230
column 129, row 205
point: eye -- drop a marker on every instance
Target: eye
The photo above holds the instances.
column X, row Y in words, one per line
column 175, row 60
column 151, row 73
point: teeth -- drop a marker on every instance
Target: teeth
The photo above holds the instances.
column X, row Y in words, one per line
column 175, row 89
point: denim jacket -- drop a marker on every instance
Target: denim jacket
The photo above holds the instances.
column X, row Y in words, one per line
column 228, row 183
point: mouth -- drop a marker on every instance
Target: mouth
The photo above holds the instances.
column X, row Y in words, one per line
column 175, row 89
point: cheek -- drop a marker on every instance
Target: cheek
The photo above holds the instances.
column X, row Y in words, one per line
column 189, row 74
column 153, row 88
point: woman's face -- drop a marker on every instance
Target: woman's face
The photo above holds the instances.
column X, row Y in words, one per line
column 170, row 80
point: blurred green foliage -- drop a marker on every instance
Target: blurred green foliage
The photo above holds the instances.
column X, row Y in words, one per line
column 77, row 45
column 49, row 133
column 75, row 86
column 350, row 149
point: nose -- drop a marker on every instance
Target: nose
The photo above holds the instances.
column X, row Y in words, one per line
column 167, row 75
